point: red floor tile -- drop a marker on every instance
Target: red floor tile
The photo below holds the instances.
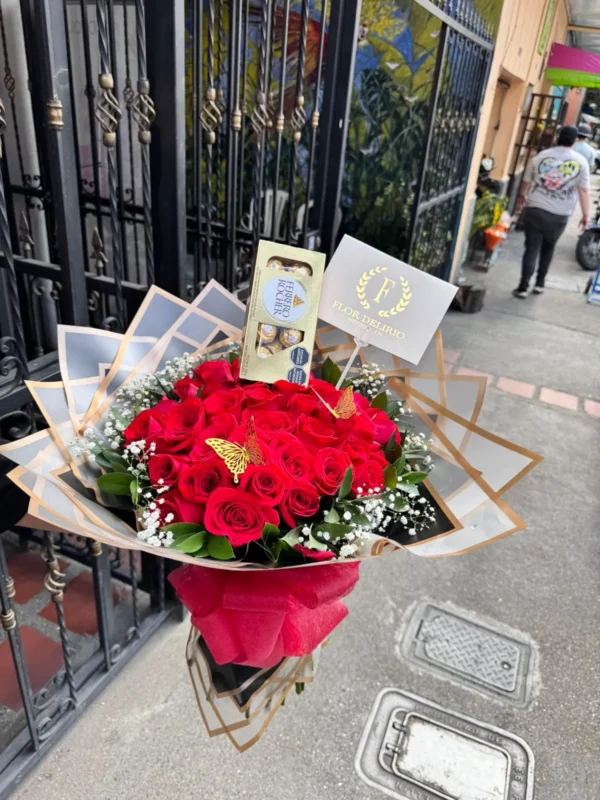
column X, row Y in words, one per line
column 560, row 399
column 43, row 658
column 27, row 570
column 519, row 388
column 451, row 356
column 592, row 407
column 79, row 605
column 475, row 373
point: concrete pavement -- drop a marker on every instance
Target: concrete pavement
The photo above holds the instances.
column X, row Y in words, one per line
column 144, row 738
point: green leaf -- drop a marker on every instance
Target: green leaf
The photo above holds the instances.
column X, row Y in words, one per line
column 292, row 538
column 102, row 460
column 390, row 477
column 233, row 354
column 315, row 544
column 134, row 488
column 392, row 450
column 192, row 543
column 330, row 372
column 219, row 547
column 398, row 504
column 115, row 460
column 393, row 410
column 399, row 464
column 182, row 528
column 334, row 531
column 414, row 477
column 202, row 553
column 381, row 401
column 408, row 488
column 270, row 530
column 115, row 483
column 332, row 516
column 346, row 484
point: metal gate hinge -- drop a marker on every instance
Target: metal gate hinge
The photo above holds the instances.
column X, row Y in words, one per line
column 54, row 110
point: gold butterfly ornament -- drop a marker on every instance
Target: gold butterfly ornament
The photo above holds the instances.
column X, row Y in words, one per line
column 235, row 456
column 345, row 406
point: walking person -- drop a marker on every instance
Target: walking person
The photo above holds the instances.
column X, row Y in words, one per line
column 552, row 183
column 582, row 145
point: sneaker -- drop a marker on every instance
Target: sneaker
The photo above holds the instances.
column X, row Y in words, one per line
column 522, row 293
column 538, row 290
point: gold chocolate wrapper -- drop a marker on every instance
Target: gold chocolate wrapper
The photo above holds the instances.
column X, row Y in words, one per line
column 289, row 337
column 285, row 294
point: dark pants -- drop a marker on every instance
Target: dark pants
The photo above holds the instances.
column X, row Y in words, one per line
column 542, row 232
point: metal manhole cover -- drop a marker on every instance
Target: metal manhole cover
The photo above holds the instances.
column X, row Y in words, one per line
column 412, row 749
column 470, row 651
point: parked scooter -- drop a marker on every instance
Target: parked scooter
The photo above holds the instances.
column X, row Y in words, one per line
column 588, row 245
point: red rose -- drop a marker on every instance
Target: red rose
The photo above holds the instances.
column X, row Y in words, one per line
column 368, row 476
column 256, row 394
column 287, row 388
column 306, row 404
column 198, row 481
column 220, row 427
column 164, row 469
column 182, row 422
column 384, row 426
column 214, row 375
column 147, row 425
column 330, row 468
column 181, row 509
column 237, row 515
column 314, row 555
column 359, row 450
column 268, row 483
column 316, row 432
column 301, row 501
column 225, row 401
column 272, row 421
column 187, row 387
column 358, row 426
column 292, row 456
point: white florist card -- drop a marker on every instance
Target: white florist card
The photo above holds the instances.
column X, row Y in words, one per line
column 383, row 301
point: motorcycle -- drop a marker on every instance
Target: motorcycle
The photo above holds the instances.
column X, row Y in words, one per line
column 587, row 252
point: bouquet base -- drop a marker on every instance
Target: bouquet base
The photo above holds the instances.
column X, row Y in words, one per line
column 238, row 701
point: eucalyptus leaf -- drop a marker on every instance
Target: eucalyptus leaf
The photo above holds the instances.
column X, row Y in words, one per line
column 193, row 542
column 219, row 548
column 346, row 484
column 134, row 488
column 115, row 483
column 408, row 488
column 334, row 531
column 202, row 553
column 381, row 401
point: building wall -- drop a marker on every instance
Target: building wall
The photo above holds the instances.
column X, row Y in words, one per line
column 517, row 70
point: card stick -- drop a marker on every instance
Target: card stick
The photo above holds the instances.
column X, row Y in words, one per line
column 360, row 343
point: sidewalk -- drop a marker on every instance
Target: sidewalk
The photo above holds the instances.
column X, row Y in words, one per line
column 144, row 737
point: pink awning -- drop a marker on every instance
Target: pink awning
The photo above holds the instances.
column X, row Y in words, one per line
column 568, row 66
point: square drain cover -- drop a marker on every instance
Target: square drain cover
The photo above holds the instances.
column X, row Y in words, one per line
column 412, row 749
column 470, row 651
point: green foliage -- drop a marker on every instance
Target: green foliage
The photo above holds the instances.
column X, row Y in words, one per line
column 117, row 483
column 488, row 209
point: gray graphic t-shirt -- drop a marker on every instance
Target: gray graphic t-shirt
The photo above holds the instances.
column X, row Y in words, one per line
column 555, row 176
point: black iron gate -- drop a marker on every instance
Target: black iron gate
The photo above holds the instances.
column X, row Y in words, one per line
column 463, row 62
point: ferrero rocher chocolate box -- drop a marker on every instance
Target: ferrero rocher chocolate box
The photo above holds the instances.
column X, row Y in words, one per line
column 282, row 314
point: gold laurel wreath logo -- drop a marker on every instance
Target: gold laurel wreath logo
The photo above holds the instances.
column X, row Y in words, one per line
column 363, row 282
column 402, row 304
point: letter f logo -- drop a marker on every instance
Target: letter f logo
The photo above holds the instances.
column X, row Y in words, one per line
column 385, row 288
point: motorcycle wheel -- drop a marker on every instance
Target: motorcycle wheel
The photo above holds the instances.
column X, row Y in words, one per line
column 588, row 250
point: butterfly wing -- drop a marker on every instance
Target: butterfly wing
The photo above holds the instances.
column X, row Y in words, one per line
column 345, row 407
column 252, row 446
column 234, row 456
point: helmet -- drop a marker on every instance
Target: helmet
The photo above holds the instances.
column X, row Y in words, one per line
column 584, row 130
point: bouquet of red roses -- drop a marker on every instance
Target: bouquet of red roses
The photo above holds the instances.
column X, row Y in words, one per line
column 270, row 495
